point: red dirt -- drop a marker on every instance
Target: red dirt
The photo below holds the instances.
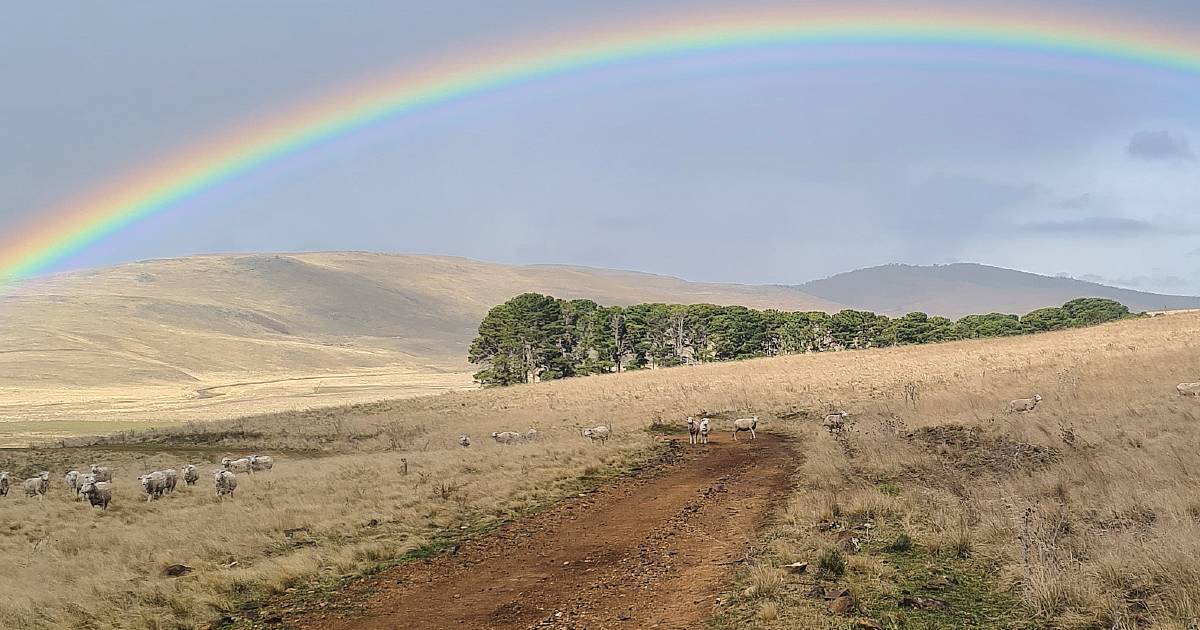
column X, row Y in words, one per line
column 650, row 551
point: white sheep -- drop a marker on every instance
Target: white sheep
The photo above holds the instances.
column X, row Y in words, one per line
column 102, row 473
column 1021, row 405
column 153, row 485
column 693, row 431
column 225, row 482
column 745, row 424
column 261, row 462
column 236, row 465
column 1188, row 389
column 531, row 434
column 74, row 481
column 97, row 493
column 190, row 475
column 464, row 441
column 171, row 479
column 600, row 433
column 705, row 429
column 37, row 486
column 835, row 422
column 506, row 437
column 4, row 484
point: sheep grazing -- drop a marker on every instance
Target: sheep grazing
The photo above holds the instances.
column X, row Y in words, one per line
column 1021, row 405
column 225, row 482
column 97, row 493
column 464, row 441
column 236, row 465
column 153, row 485
column 600, row 433
column 693, row 431
column 261, row 462
column 171, row 479
column 1188, row 389
column 705, row 428
column 4, row 484
column 531, row 434
column 190, row 475
column 74, row 481
column 37, row 486
column 835, row 422
column 745, row 424
column 102, row 473
column 506, row 437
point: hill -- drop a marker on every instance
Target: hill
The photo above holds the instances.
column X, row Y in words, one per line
column 214, row 336
column 965, row 288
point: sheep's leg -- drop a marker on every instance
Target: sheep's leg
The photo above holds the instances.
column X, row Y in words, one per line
column 752, row 436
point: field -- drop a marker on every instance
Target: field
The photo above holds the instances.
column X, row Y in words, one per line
column 1083, row 513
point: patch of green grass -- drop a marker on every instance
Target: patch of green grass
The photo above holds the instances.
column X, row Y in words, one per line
column 889, row 488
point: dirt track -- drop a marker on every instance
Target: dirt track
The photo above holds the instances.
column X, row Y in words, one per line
column 649, row 551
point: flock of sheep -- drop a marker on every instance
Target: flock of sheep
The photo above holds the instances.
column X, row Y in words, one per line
column 96, row 487
column 698, row 431
column 593, row 434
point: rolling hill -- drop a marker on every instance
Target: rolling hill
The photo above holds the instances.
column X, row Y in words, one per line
column 965, row 288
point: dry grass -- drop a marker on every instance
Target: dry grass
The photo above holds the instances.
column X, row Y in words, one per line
column 1107, row 464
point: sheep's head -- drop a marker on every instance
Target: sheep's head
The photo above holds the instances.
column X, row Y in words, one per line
column 1037, row 398
column 45, row 476
column 495, row 434
column 588, row 432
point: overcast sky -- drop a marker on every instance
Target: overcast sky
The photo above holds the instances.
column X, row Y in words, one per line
column 766, row 167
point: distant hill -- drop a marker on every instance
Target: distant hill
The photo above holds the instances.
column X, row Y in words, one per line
column 964, row 288
column 196, row 319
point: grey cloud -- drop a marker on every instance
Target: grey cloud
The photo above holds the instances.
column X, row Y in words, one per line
column 1157, row 281
column 1160, row 146
column 1093, row 226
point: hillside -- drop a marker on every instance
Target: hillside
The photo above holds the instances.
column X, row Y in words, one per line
column 212, row 336
column 965, row 288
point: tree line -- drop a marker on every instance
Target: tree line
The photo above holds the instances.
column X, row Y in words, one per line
column 534, row 337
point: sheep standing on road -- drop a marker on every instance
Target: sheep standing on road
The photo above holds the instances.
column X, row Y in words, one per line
column 225, row 482
column 74, row 481
column 745, row 424
column 153, row 485
column 190, row 475
column 1188, row 389
column 102, row 473
column 1021, row 405
column 97, row 493
column 693, row 431
column 37, row 486
column 464, row 441
column 705, row 428
column 600, row 433
column 261, row 463
column 506, row 437
column 3, row 484
column 236, row 465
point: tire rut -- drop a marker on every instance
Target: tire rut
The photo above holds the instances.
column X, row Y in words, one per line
column 651, row 550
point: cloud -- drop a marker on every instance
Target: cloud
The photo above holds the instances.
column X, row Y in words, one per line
column 1093, row 226
column 1155, row 281
column 1160, row 146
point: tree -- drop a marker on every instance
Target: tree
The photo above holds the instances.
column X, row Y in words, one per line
column 991, row 325
column 521, row 341
column 1090, row 311
column 1046, row 319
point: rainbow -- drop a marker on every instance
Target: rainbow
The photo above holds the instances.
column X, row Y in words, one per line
column 62, row 232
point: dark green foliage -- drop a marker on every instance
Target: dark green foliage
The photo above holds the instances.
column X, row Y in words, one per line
column 831, row 563
column 536, row 337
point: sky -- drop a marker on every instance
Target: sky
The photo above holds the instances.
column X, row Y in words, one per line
column 767, row 166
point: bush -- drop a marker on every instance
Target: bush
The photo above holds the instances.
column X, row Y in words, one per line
column 831, row 563
column 902, row 543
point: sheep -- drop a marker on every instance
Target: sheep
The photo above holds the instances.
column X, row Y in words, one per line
column 97, row 493
column 37, row 486
column 745, row 424
column 261, row 462
column 600, row 433
column 464, row 441
column 1021, row 405
column 74, row 481
column 237, row 465
column 506, row 437
column 693, row 431
column 102, row 473
column 225, row 482
column 190, row 475
column 3, row 484
column 705, row 428
column 172, row 478
column 835, row 422
column 153, row 485
column 531, row 434
column 1188, row 389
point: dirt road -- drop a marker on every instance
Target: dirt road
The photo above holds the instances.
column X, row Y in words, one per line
column 649, row 551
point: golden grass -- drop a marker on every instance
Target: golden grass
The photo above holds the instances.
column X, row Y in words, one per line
column 1114, row 521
